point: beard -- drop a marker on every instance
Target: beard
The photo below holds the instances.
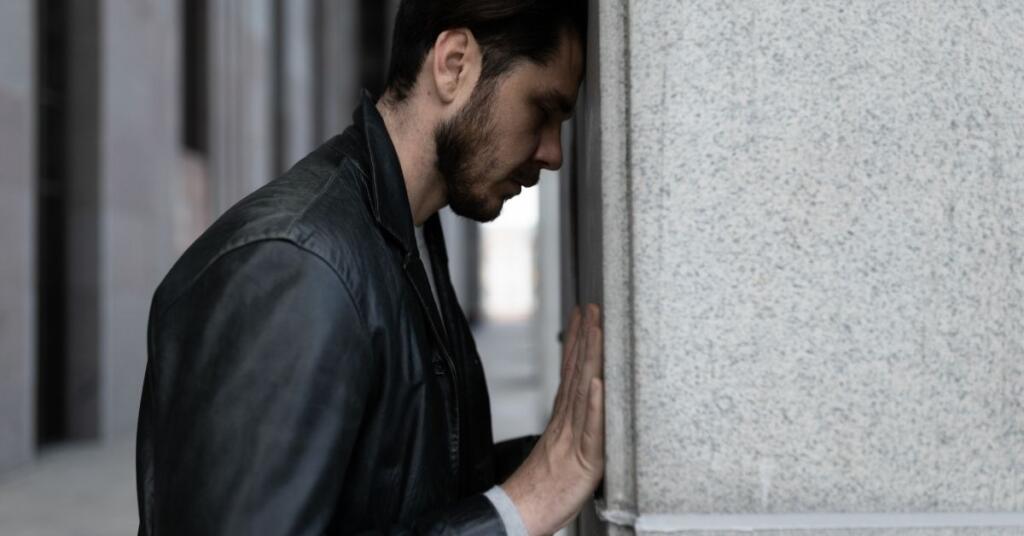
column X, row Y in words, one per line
column 466, row 153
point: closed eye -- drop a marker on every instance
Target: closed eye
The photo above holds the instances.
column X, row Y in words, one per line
column 556, row 104
column 545, row 114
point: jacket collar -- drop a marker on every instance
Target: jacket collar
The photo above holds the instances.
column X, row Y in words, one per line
column 389, row 201
column 389, row 205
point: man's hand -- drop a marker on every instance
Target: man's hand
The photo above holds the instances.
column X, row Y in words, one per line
column 568, row 461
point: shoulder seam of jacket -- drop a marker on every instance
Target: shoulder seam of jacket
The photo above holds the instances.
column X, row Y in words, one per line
column 287, row 235
column 352, row 161
column 251, row 241
column 319, row 193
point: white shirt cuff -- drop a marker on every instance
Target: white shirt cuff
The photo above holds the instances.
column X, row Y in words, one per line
column 507, row 510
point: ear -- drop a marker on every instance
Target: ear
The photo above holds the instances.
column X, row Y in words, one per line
column 456, row 64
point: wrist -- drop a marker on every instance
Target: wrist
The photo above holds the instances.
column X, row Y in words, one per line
column 522, row 493
column 507, row 511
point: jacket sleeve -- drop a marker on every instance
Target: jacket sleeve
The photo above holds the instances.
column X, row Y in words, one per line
column 258, row 380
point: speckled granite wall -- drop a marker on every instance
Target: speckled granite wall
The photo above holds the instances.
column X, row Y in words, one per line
column 821, row 211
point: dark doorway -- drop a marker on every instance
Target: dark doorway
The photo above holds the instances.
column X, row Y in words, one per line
column 374, row 29
column 51, row 385
column 194, row 73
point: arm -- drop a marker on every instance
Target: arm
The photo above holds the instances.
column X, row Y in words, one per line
column 566, row 464
column 259, row 382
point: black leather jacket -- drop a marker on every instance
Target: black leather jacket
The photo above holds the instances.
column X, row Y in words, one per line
column 300, row 379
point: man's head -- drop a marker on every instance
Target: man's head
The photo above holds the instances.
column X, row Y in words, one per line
column 493, row 80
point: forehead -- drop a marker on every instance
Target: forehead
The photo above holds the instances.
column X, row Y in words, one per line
column 558, row 80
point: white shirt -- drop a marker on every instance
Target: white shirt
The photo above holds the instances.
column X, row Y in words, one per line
column 421, row 245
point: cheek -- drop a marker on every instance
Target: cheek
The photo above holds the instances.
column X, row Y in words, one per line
column 519, row 146
column 508, row 153
column 509, row 161
column 521, row 135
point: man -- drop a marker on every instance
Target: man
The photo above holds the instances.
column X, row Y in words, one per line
column 310, row 370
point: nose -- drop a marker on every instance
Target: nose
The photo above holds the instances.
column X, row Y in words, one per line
column 549, row 150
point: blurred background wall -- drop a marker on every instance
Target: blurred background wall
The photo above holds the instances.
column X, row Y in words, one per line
column 127, row 126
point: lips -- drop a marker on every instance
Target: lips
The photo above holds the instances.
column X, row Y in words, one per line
column 522, row 179
column 527, row 180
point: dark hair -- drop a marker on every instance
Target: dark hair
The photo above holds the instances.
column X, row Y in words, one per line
column 507, row 30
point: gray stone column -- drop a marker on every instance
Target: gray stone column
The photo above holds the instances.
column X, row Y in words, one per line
column 337, row 65
column 812, row 268
column 241, row 98
column 124, row 132
column 17, row 232
column 296, row 122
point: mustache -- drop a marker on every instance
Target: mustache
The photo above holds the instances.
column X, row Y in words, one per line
column 526, row 176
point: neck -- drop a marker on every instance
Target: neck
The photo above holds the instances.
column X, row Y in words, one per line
column 414, row 142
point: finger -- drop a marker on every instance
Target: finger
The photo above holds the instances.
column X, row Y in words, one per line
column 593, row 430
column 568, row 360
column 591, row 361
column 596, row 356
column 574, row 381
column 572, row 339
column 573, row 378
column 591, row 320
column 580, row 348
column 576, row 358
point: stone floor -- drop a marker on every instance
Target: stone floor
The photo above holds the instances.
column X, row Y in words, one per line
column 74, row 490
column 89, row 489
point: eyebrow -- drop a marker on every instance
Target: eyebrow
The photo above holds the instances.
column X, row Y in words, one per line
column 562, row 102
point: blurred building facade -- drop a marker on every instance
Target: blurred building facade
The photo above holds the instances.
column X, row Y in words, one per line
column 126, row 126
